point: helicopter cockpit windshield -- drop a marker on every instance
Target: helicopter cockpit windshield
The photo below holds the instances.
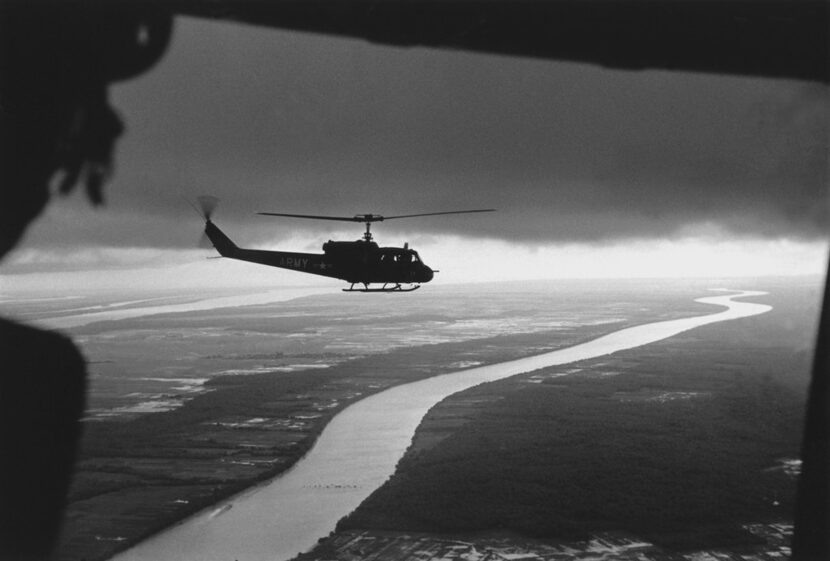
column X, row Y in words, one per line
column 398, row 256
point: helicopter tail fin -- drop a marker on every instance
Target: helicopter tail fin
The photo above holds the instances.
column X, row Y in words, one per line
column 220, row 241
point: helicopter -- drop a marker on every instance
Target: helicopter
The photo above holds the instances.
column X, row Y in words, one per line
column 360, row 262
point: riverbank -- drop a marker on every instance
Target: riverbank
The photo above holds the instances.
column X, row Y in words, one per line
column 773, row 545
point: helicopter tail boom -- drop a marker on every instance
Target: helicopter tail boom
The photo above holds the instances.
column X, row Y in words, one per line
column 312, row 263
column 220, row 241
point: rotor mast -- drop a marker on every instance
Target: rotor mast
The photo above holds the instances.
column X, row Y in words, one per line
column 368, row 219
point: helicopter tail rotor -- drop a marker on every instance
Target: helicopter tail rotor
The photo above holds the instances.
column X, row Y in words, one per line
column 207, row 204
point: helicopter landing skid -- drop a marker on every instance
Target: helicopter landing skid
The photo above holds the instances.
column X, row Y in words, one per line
column 385, row 288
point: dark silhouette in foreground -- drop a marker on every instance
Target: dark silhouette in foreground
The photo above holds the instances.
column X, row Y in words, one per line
column 42, row 393
column 56, row 129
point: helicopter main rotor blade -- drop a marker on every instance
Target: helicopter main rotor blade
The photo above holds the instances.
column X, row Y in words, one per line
column 437, row 213
column 371, row 217
column 313, row 217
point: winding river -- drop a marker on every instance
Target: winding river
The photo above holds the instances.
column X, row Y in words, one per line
column 358, row 451
column 129, row 311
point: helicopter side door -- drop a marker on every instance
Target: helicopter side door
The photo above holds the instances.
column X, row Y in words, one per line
column 394, row 265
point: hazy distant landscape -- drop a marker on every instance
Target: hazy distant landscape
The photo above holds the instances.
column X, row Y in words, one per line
column 680, row 442
column 155, row 362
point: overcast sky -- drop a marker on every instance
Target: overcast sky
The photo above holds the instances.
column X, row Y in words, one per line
column 280, row 121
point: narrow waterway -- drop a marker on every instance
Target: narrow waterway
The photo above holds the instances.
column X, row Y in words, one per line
column 131, row 311
column 358, row 451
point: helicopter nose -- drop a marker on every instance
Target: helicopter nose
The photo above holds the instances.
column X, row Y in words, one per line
column 427, row 274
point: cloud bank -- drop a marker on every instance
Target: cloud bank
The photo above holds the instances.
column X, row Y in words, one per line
column 287, row 122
